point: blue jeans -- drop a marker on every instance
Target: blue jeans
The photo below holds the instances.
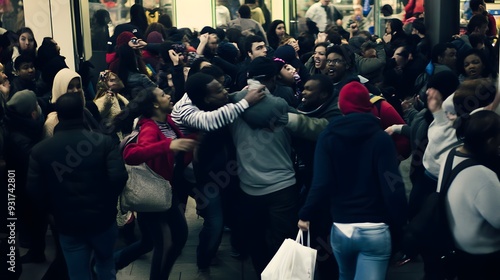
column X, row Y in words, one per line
column 210, row 208
column 78, row 251
column 364, row 256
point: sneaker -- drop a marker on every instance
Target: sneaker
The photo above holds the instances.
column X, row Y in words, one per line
column 235, row 253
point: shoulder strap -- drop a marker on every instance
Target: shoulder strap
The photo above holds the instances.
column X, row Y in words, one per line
column 450, row 173
column 131, row 138
column 376, row 100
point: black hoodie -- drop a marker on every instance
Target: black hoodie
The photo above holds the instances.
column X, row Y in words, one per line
column 356, row 169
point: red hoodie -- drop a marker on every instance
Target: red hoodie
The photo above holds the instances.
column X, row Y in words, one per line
column 153, row 148
column 389, row 116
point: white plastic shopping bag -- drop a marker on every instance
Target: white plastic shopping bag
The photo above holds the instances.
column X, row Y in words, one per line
column 293, row 261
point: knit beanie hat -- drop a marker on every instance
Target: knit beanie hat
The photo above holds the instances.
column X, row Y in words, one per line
column 23, row 102
column 261, row 67
column 228, row 52
column 354, row 97
column 287, row 53
column 446, row 82
column 154, row 38
column 207, row 29
column 124, row 38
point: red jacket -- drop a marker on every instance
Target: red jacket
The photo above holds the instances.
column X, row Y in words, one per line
column 153, row 148
column 389, row 116
column 413, row 6
column 492, row 26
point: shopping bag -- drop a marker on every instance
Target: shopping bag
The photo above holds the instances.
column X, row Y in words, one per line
column 293, row 261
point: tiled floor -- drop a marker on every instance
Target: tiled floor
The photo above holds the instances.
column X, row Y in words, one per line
column 225, row 267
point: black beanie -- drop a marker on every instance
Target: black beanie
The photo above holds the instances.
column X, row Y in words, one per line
column 261, row 67
column 446, row 82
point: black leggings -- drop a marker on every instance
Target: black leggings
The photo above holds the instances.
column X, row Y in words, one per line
column 165, row 232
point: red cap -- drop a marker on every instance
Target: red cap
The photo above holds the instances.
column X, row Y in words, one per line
column 354, row 97
column 124, row 38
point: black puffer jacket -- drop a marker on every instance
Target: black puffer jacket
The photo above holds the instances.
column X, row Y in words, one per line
column 78, row 175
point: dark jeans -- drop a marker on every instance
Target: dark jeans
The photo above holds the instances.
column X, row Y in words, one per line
column 267, row 221
column 166, row 232
column 33, row 224
column 423, row 186
column 78, row 251
column 58, row 268
column 209, row 206
column 326, row 264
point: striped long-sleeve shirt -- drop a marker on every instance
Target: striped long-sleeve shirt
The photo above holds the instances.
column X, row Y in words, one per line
column 189, row 118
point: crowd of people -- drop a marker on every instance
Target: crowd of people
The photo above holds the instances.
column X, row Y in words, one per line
column 265, row 131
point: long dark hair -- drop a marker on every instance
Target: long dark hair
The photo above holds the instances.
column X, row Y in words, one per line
column 476, row 130
column 141, row 106
column 129, row 61
column 35, row 45
column 272, row 38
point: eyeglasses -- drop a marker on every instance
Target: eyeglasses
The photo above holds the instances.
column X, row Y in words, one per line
column 335, row 61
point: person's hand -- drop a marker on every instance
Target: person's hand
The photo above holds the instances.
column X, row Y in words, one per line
column 482, row 9
column 136, row 43
column 109, row 95
column 387, row 37
column 322, row 37
column 389, row 130
column 183, row 145
column 303, row 225
column 434, row 100
column 408, row 103
column 174, row 57
column 255, row 94
column 5, row 88
column 354, row 27
column 204, row 38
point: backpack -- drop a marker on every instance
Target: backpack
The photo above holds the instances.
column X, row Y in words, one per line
column 377, row 101
column 429, row 230
column 420, row 87
column 152, row 15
